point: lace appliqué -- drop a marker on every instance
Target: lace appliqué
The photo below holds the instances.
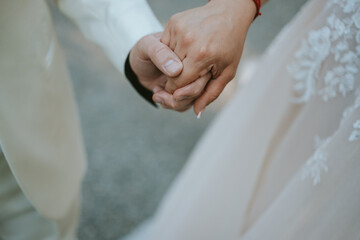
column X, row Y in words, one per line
column 316, row 164
column 330, row 42
column 355, row 135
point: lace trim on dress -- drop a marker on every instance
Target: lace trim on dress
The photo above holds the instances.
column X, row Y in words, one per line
column 332, row 43
column 325, row 66
column 316, row 164
column 355, row 135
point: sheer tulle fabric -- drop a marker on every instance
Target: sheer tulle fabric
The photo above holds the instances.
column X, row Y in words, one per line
column 282, row 160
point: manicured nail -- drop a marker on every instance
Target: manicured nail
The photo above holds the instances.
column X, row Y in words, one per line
column 159, row 100
column 172, row 67
column 200, row 114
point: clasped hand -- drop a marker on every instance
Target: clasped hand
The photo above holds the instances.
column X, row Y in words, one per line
column 191, row 62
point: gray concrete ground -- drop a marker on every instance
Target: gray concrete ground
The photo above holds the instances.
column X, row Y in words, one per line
column 135, row 150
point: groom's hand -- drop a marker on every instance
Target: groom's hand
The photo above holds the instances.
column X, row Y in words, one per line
column 153, row 61
column 207, row 39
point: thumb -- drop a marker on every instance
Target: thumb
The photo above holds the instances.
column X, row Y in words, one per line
column 163, row 57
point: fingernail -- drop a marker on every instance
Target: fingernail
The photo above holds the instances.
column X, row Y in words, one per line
column 172, row 67
column 158, row 100
column 200, row 114
column 156, row 89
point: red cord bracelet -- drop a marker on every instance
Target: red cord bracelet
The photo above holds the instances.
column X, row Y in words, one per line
column 258, row 6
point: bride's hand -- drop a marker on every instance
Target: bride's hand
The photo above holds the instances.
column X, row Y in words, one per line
column 207, row 39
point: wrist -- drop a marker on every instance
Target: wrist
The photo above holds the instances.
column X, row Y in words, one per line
column 244, row 10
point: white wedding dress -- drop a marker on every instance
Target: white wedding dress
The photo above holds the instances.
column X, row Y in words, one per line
column 282, row 160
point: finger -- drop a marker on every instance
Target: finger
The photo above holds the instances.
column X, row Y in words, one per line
column 165, row 38
column 183, row 109
column 167, row 101
column 193, row 90
column 170, row 38
column 212, row 92
column 157, row 89
column 163, row 57
column 180, row 51
column 191, row 72
column 173, row 39
column 183, row 44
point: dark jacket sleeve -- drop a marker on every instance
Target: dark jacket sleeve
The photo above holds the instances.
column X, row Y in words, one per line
column 134, row 81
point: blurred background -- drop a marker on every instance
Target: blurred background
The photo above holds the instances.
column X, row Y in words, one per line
column 134, row 150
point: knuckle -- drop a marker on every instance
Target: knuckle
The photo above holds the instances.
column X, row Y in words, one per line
column 197, row 91
column 188, row 38
column 180, row 27
column 203, row 52
column 180, row 96
column 174, row 105
column 232, row 74
column 173, row 19
column 213, row 97
column 158, row 49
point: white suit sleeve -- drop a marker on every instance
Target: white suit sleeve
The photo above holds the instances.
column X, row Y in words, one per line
column 115, row 25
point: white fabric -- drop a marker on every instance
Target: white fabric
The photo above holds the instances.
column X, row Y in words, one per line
column 282, row 160
column 39, row 125
column 115, row 25
column 17, row 213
